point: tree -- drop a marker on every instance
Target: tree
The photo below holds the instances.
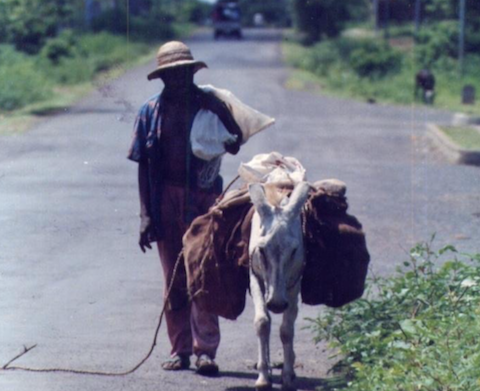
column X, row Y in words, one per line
column 28, row 23
column 326, row 18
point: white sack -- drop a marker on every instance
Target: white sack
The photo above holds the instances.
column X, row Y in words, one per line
column 248, row 119
column 272, row 168
column 208, row 136
column 208, row 133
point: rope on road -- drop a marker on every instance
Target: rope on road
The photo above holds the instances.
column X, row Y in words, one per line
column 7, row 366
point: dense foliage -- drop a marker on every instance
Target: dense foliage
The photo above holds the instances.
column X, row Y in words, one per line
column 375, row 59
column 20, row 80
column 419, row 330
column 47, row 44
column 368, row 58
column 317, row 19
column 64, row 60
column 28, row 23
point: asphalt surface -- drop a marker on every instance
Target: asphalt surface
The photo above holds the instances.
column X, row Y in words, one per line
column 73, row 280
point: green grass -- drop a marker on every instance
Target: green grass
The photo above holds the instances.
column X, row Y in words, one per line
column 316, row 71
column 63, row 96
column 39, row 88
column 465, row 137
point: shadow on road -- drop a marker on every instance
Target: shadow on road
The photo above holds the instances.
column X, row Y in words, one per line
column 303, row 383
column 250, row 34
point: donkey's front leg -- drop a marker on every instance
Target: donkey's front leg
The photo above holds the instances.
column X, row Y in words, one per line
column 262, row 325
column 287, row 331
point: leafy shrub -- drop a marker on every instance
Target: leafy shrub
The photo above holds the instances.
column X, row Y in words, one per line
column 419, row 330
column 154, row 26
column 195, row 11
column 10, row 56
column 22, row 84
column 322, row 57
column 436, row 43
column 62, row 46
column 317, row 19
column 113, row 21
column 104, row 50
column 375, row 59
column 69, row 70
column 28, row 23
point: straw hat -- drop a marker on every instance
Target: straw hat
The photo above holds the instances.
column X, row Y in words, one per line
column 174, row 54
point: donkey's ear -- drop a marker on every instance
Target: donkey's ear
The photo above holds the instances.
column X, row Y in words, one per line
column 298, row 198
column 259, row 200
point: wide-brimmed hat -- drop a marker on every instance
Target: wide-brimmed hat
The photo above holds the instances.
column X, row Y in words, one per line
column 174, row 54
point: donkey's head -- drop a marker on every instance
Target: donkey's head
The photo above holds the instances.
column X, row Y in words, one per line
column 276, row 243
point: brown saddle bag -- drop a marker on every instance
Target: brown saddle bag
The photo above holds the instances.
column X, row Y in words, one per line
column 216, row 256
column 336, row 259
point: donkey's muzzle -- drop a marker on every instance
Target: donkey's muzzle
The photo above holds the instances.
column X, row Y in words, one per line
column 277, row 307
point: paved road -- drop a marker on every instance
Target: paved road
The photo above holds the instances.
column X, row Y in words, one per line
column 72, row 279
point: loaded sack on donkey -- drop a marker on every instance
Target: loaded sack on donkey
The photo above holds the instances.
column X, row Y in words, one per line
column 216, row 245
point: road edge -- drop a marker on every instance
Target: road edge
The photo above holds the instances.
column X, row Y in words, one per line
column 451, row 150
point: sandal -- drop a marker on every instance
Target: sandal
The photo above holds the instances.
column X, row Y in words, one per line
column 176, row 363
column 206, row 366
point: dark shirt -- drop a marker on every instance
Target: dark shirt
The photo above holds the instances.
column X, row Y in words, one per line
column 177, row 119
column 161, row 140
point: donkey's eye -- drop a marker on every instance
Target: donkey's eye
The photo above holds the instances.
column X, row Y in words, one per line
column 293, row 253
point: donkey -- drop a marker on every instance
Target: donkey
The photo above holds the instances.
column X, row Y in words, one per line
column 276, row 265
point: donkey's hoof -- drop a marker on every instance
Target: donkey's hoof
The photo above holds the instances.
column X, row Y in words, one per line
column 263, row 385
column 288, row 383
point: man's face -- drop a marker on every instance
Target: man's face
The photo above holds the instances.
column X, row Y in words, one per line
column 179, row 78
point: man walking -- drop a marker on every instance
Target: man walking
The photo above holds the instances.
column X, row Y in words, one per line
column 175, row 186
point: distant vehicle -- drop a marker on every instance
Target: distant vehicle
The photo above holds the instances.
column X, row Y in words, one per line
column 226, row 19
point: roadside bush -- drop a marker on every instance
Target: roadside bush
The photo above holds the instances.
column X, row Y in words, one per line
column 375, row 59
column 91, row 54
column 22, row 84
column 317, row 19
column 104, row 50
column 28, row 23
column 10, row 56
column 418, row 330
column 436, row 42
column 195, row 12
column 68, row 70
column 113, row 21
column 154, row 26
column 321, row 58
column 62, row 46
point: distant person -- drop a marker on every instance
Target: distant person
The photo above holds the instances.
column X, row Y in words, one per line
column 258, row 20
column 425, row 84
column 175, row 186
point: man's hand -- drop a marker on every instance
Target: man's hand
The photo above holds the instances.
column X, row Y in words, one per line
column 145, row 231
column 232, row 147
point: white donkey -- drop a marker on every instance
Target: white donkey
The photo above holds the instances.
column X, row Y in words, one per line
column 276, row 265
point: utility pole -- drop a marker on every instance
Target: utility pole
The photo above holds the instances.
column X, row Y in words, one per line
column 418, row 20
column 376, row 16
column 387, row 19
column 461, row 37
